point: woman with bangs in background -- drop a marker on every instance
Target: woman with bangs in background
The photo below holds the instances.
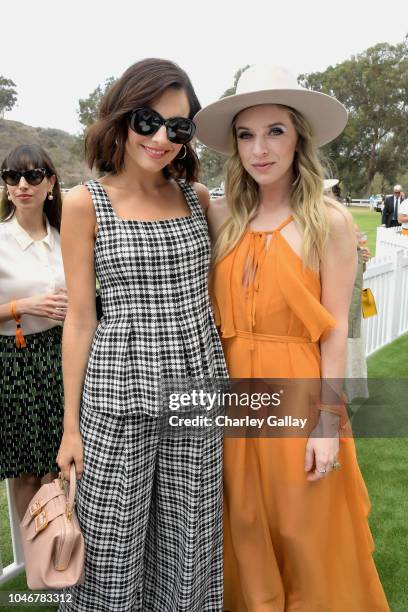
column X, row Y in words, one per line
column 33, row 305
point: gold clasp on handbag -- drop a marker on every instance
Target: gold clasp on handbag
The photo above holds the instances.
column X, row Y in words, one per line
column 41, row 521
column 35, row 508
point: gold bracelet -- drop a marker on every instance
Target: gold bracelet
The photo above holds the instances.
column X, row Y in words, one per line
column 337, row 409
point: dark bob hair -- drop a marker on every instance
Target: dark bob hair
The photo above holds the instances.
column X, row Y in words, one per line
column 28, row 157
column 141, row 85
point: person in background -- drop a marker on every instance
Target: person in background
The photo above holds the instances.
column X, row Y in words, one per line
column 356, row 362
column 329, row 185
column 403, row 216
column 33, row 304
column 391, row 208
column 332, row 189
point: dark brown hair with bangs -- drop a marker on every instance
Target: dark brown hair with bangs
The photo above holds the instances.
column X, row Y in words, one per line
column 28, row 157
column 141, row 85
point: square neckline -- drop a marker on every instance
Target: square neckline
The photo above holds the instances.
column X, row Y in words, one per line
column 153, row 221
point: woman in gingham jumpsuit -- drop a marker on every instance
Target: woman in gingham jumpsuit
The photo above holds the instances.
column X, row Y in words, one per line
column 149, row 502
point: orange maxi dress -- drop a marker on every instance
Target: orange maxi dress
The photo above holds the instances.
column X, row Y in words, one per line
column 290, row 545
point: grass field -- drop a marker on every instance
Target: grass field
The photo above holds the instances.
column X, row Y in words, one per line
column 383, row 463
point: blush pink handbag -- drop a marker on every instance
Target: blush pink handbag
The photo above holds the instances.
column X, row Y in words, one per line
column 52, row 540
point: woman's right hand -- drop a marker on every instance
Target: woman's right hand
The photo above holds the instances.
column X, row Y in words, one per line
column 71, row 450
column 49, row 305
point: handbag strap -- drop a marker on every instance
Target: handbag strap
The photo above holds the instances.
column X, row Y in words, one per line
column 72, row 488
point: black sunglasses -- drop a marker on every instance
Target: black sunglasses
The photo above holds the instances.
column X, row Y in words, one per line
column 33, row 177
column 146, row 121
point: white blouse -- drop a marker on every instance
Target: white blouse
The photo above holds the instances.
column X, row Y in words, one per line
column 28, row 267
column 403, row 210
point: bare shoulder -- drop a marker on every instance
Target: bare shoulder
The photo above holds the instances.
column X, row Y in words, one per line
column 77, row 205
column 218, row 212
column 78, row 199
column 341, row 246
column 340, row 220
column 203, row 195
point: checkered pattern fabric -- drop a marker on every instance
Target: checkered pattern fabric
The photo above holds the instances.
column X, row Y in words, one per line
column 150, row 508
column 157, row 321
column 150, row 501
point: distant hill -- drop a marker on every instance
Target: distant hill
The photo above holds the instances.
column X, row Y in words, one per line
column 63, row 148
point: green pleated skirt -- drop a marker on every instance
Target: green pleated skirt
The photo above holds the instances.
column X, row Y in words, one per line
column 31, row 404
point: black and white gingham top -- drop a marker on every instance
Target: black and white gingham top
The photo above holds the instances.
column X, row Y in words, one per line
column 157, row 321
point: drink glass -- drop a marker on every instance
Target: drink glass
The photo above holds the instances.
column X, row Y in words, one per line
column 362, row 239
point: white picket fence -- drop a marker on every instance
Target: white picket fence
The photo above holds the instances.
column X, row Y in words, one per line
column 17, row 565
column 390, row 240
column 386, row 276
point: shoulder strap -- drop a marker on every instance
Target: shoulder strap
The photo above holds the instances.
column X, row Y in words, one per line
column 101, row 201
column 284, row 223
column 192, row 198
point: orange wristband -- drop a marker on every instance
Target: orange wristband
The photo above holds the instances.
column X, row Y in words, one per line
column 20, row 340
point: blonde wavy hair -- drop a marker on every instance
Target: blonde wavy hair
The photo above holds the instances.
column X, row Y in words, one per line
column 308, row 203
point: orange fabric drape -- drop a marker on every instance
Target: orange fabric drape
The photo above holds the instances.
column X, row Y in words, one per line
column 290, row 545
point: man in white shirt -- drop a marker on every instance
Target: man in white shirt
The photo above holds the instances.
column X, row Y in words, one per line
column 403, row 216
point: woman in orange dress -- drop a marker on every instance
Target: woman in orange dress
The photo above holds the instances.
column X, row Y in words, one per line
column 296, row 530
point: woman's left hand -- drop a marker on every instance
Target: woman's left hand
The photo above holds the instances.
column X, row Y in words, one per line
column 321, row 454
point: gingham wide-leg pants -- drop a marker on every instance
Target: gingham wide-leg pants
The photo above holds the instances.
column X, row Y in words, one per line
column 150, row 508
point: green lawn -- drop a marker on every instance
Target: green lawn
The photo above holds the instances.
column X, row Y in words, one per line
column 383, row 463
column 368, row 221
column 5, row 548
column 391, row 361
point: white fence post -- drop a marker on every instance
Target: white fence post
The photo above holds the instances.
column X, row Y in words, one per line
column 387, row 277
column 395, row 296
column 17, row 566
column 379, row 240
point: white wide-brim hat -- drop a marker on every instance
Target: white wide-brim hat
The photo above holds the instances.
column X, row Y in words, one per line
column 329, row 183
column 269, row 85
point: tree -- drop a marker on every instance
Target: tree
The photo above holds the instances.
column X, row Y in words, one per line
column 88, row 114
column 212, row 163
column 8, row 95
column 373, row 86
column 88, row 107
column 379, row 184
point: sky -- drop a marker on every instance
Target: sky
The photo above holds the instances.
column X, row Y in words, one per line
column 58, row 52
